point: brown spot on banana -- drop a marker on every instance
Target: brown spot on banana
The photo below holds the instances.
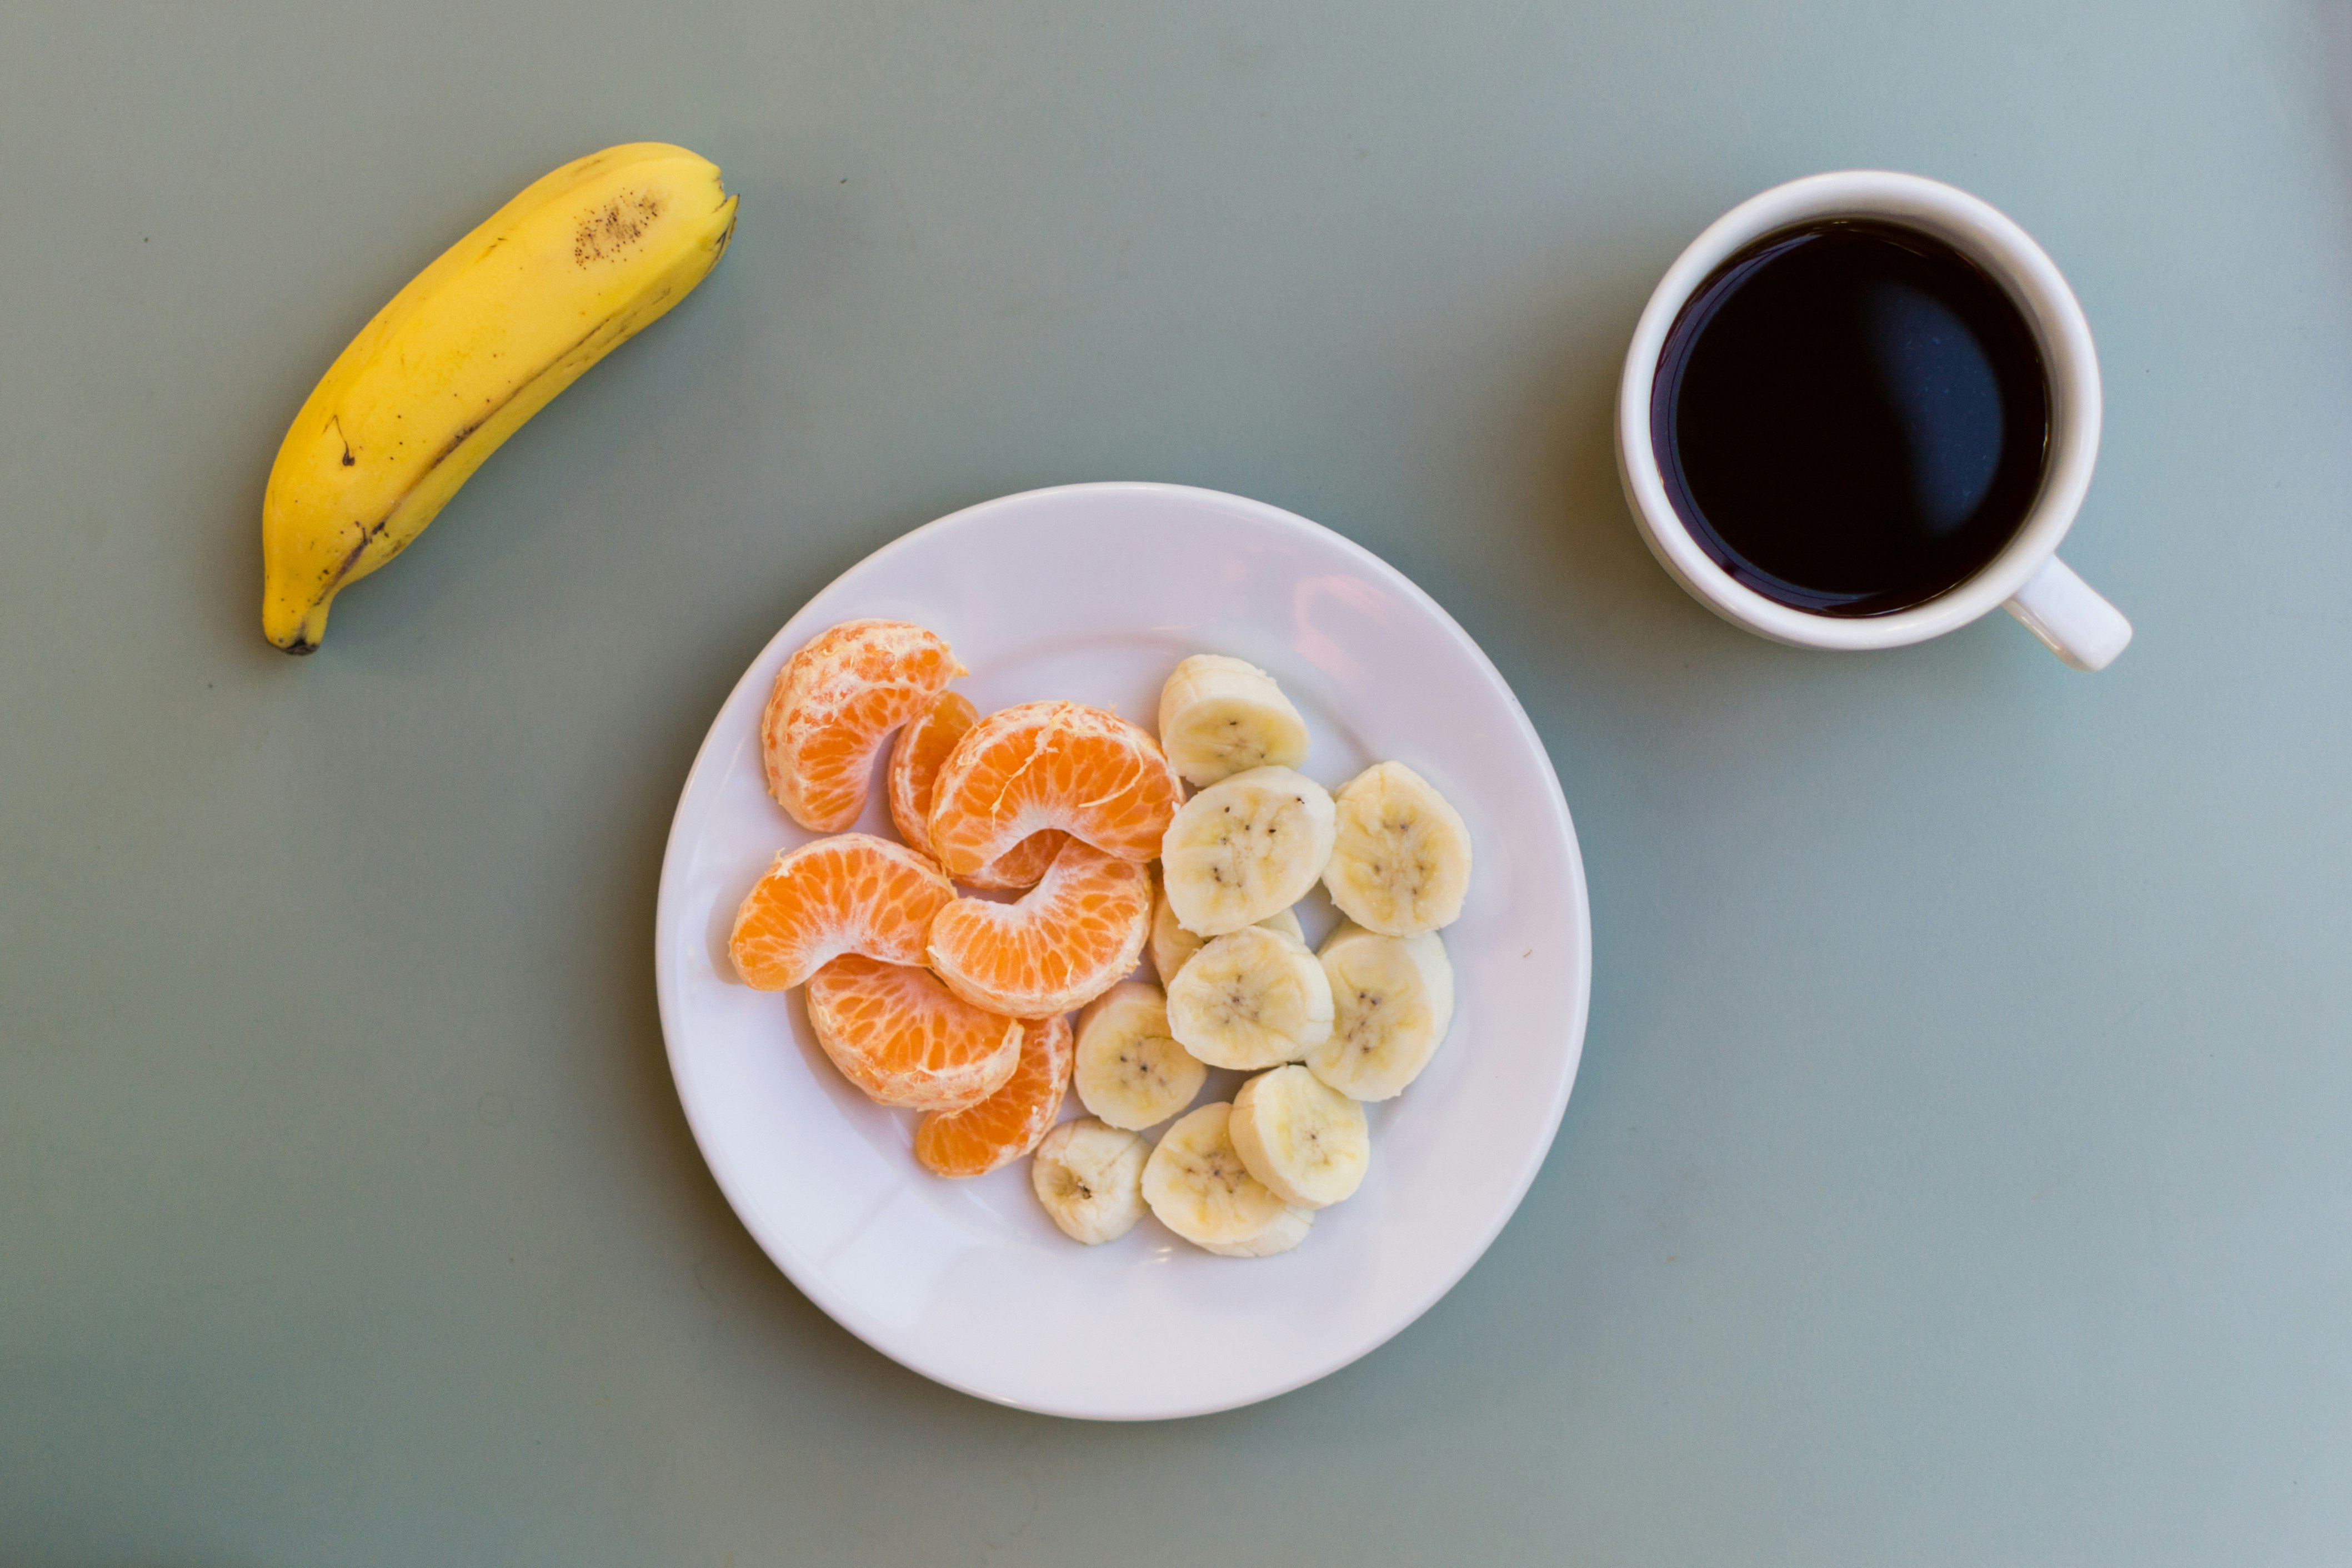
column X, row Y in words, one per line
column 607, row 232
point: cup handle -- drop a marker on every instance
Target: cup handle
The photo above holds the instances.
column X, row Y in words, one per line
column 2069, row 617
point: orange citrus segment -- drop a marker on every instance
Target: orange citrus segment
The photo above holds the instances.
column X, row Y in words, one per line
column 835, row 702
column 1051, row 764
column 897, row 1033
column 853, row 894
column 915, row 761
column 1068, row 940
column 1022, row 866
column 1010, row 1122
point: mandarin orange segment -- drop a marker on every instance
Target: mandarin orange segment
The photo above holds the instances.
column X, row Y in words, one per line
column 915, row 760
column 1051, row 764
column 1010, row 1122
column 852, row 893
column 921, row 749
column 835, row 703
column 1022, row 866
column 1067, row 941
column 899, row 1035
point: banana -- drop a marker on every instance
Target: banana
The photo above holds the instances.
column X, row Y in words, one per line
column 1199, row 1188
column 1219, row 716
column 1251, row 999
column 1244, row 848
column 475, row 345
column 1090, row 1179
column 1307, row 1142
column 1172, row 947
column 1280, row 1237
column 1392, row 999
column 1131, row 1072
column 1399, row 862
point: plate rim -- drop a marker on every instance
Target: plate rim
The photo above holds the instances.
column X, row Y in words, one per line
column 809, row 1281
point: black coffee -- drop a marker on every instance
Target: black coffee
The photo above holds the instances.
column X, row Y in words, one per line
column 1850, row 417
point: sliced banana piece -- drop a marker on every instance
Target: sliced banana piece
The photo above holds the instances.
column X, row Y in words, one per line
column 1245, row 849
column 1131, row 1072
column 1309, row 1144
column 1199, row 1188
column 1221, row 716
column 1090, row 1179
column 1251, row 999
column 1399, row 862
column 1280, row 1237
column 1172, row 947
column 1392, row 1001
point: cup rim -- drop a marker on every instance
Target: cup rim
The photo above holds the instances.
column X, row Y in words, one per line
column 1987, row 236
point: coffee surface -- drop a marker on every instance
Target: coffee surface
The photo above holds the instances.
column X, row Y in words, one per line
column 1850, row 417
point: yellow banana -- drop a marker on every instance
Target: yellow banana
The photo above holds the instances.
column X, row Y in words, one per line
column 475, row 345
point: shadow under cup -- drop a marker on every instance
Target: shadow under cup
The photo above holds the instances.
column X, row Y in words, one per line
column 1850, row 417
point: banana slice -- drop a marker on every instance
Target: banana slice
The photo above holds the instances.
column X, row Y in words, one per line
column 1252, row 998
column 1400, row 863
column 1245, row 849
column 1284, row 923
column 1199, row 1189
column 1090, row 1179
column 1392, row 1001
column 1280, row 1237
column 1307, row 1142
column 1219, row 716
column 1131, row 1072
column 1172, row 947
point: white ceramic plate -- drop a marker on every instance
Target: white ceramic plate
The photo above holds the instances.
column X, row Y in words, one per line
column 1093, row 592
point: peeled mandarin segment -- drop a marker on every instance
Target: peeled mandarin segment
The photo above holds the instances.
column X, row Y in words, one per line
column 1009, row 1122
column 835, row 704
column 852, row 893
column 1052, row 765
column 899, row 1035
column 1067, row 941
column 1022, row 866
column 915, row 762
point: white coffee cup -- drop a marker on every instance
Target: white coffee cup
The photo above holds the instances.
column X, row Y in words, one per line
column 2026, row 577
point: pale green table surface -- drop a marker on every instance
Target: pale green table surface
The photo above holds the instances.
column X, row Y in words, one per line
column 1961, row 1166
